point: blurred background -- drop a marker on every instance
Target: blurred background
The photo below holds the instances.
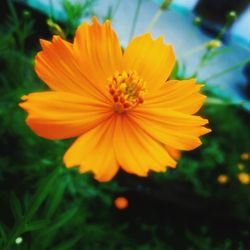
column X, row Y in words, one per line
column 203, row 204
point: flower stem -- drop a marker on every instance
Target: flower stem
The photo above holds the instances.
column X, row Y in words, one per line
column 195, row 50
column 217, row 101
column 219, row 36
column 227, row 70
column 116, row 8
column 137, row 11
column 51, row 10
column 154, row 20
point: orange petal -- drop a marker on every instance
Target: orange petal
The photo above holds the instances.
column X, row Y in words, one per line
column 136, row 151
column 57, row 66
column 175, row 129
column 153, row 60
column 174, row 153
column 98, row 50
column 182, row 96
column 59, row 115
column 94, row 152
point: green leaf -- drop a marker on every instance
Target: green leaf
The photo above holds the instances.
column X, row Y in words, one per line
column 54, row 200
column 36, row 225
column 69, row 244
column 175, row 71
column 62, row 219
column 15, row 206
column 42, row 193
column 3, row 234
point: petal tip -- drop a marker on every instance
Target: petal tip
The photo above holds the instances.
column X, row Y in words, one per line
column 44, row 43
column 24, row 97
column 95, row 20
column 103, row 178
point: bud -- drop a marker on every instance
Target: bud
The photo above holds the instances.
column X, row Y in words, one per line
column 213, row 44
column 19, row 240
column 197, row 21
column 241, row 166
column 55, row 28
column 165, row 4
column 26, row 13
column 232, row 15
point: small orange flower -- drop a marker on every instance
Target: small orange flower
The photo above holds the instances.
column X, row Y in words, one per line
column 245, row 156
column 121, row 202
column 244, row 178
column 121, row 106
column 222, row 179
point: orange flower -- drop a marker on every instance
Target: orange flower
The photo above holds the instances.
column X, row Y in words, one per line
column 245, row 156
column 244, row 178
column 222, row 179
column 121, row 202
column 121, row 106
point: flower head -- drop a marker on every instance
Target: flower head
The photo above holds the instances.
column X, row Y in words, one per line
column 121, row 106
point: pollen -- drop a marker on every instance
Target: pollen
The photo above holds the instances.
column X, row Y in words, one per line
column 127, row 89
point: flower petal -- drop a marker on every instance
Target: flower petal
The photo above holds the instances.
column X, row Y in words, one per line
column 182, row 96
column 94, row 152
column 57, row 66
column 153, row 60
column 174, row 153
column 59, row 115
column 175, row 129
column 98, row 50
column 136, row 151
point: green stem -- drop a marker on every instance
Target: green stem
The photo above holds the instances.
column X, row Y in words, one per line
column 116, row 8
column 51, row 10
column 202, row 61
column 154, row 20
column 39, row 197
column 224, row 28
column 194, row 50
column 217, row 101
column 227, row 70
column 209, row 49
column 137, row 11
column 13, row 11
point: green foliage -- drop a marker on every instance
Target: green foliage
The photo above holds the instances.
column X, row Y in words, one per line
column 12, row 48
column 75, row 11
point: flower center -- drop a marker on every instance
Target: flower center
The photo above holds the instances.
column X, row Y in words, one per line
column 127, row 90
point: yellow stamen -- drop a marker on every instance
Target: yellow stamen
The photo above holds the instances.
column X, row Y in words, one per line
column 127, row 90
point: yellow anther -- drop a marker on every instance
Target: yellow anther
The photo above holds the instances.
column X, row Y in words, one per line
column 127, row 90
column 123, row 86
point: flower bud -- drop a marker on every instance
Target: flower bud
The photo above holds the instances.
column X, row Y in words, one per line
column 213, row 44
column 165, row 4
